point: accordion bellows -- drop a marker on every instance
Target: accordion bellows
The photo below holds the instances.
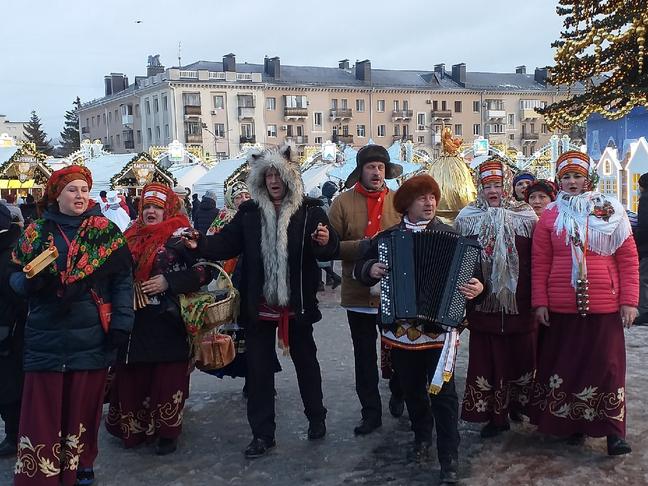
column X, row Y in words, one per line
column 426, row 269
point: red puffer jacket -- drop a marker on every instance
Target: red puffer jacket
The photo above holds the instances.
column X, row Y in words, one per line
column 613, row 280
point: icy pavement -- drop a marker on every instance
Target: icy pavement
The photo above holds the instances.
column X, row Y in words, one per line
column 216, row 431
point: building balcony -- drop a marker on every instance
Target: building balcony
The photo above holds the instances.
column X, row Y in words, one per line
column 245, row 112
column 494, row 114
column 530, row 136
column 295, row 113
column 192, row 110
column 441, row 114
column 127, row 119
column 247, row 139
column 348, row 139
column 401, row 114
column 403, row 138
column 193, row 137
column 299, row 140
column 341, row 113
column 529, row 114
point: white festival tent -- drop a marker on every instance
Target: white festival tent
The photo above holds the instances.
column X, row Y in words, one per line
column 215, row 179
column 188, row 174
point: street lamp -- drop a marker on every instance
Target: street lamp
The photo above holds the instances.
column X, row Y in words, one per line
column 216, row 137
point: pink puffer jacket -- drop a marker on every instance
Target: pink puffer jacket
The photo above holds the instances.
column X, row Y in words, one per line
column 613, row 280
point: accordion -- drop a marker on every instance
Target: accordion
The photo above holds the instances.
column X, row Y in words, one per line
column 425, row 270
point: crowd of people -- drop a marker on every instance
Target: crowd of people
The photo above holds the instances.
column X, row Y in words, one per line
column 556, row 283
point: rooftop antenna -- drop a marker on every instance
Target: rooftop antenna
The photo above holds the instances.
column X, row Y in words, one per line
column 179, row 56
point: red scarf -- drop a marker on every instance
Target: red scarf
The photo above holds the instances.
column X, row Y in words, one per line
column 375, row 201
column 145, row 240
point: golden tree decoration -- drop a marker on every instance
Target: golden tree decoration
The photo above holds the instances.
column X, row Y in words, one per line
column 602, row 47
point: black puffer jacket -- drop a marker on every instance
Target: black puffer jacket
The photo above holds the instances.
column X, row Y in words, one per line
column 641, row 231
column 242, row 236
column 205, row 214
column 65, row 334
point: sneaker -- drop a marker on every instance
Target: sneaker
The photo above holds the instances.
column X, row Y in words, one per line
column 491, row 430
column 165, row 446
column 316, row 430
column 258, row 447
column 396, row 406
column 420, row 452
column 367, row 426
column 617, row 446
column 85, row 477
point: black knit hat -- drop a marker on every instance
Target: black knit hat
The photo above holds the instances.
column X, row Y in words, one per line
column 373, row 153
column 643, row 181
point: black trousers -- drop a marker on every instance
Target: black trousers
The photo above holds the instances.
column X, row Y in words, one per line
column 364, row 333
column 10, row 413
column 261, row 359
column 413, row 369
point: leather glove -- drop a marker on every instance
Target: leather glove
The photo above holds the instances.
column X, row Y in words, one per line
column 117, row 339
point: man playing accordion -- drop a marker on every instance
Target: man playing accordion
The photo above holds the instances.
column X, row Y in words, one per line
column 422, row 355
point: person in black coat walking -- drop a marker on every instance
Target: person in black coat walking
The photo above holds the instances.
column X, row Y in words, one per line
column 13, row 312
column 206, row 213
column 280, row 234
column 641, row 238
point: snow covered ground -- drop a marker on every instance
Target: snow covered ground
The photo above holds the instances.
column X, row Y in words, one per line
column 216, row 431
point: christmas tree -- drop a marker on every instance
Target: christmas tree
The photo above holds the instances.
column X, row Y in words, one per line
column 602, row 47
column 70, row 137
column 34, row 133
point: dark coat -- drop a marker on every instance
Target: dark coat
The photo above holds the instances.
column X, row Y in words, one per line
column 64, row 333
column 205, row 215
column 242, row 236
column 29, row 212
column 13, row 312
column 363, row 265
column 641, row 231
column 159, row 334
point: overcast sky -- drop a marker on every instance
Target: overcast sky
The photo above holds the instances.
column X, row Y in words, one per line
column 54, row 50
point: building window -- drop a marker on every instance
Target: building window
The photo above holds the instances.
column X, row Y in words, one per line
column 444, row 105
column 532, row 127
column 544, row 129
column 360, row 106
column 246, row 101
column 344, row 104
column 317, row 120
column 396, row 104
column 421, row 139
column 420, row 121
column 511, row 120
column 219, row 130
column 149, row 134
column 271, row 104
column 157, row 133
column 166, row 131
column 458, row 129
column 118, row 140
column 165, row 103
column 116, row 116
column 104, row 118
column 334, row 104
column 138, row 113
column 476, row 106
column 191, row 99
column 93, row 121
column 147, row 107
column 380, row 108
column 318, row 140
column 381, row 130
column 156, row 105
column 360, row 130
column 139, row 136
column 272, row 130
column 247, row 130
column 397, row 130
column 435, row 105
column 496, row 128
column 111, row 139
column 476, row 129
column 405, row 105
column 219, row 102
column 511, row 137
column 457, row 107
column 295, row 101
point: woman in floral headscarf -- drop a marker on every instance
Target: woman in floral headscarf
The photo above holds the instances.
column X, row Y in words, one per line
column 152, row 381
column 585, row 290
column 502, row 330
column 67, row 346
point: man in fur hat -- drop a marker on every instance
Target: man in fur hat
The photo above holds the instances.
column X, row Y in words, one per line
column 356, row 215
column 422, row 354
column 281, row 235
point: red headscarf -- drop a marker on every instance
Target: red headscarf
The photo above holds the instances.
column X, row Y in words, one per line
column 145, row 240
column 61, row 178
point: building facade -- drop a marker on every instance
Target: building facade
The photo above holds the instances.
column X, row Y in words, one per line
column 15, row 130
column 220, row 106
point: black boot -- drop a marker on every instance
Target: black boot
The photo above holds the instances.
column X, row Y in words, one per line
column 85, row 477
column 367, row 426
column 8, row 447
column 396, row 406
column 616, row 446
column 491, row 430
column 316, row 429
column 258, row 447
column 165, row 446
column 449, row 472
column 420, row 452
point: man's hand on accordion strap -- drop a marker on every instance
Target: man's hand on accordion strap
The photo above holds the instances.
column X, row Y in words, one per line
column 378, row 270
column 472, row 288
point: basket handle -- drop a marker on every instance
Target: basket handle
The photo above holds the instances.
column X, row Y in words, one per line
column 220, row 269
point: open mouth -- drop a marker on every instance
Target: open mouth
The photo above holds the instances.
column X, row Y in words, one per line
column 151, row 219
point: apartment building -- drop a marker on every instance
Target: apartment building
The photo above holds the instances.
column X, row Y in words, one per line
column 14, row 129
column 220, row 106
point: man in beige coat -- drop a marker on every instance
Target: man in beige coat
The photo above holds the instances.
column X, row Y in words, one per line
column 357, row 215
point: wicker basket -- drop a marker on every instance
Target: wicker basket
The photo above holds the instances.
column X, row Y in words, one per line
column 225, row 309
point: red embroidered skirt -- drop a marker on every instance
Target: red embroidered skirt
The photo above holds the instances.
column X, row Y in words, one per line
column 580, row 383
column 147, row 401
column 500, row 375
column 59, row 425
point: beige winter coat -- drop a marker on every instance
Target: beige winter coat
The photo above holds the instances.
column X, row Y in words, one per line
column 348, row 216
